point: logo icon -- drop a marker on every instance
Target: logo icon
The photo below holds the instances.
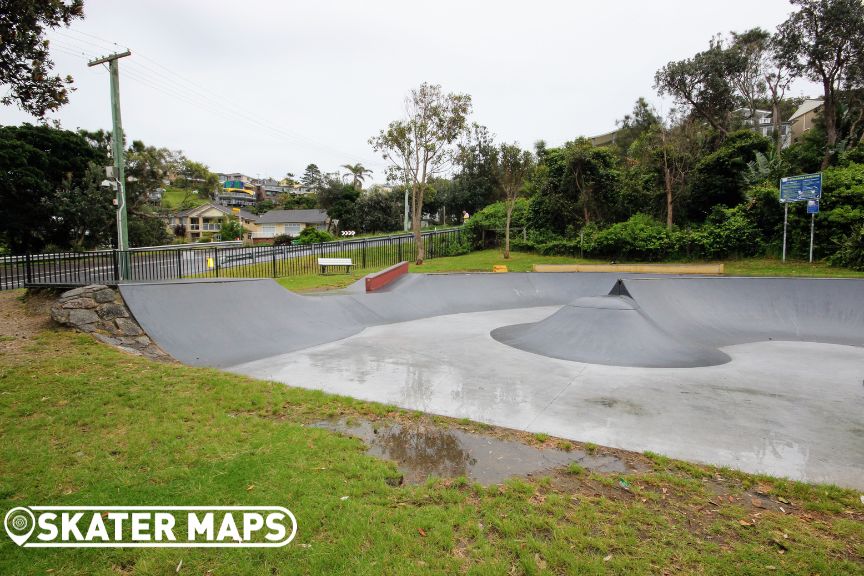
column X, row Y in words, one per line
column 20, row 524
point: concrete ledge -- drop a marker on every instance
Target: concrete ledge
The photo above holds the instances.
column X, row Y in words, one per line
column 634, row 268
column 381, row 279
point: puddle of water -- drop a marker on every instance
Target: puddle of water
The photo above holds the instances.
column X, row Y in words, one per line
column 424, row 451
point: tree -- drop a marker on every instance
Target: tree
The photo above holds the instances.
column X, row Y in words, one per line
column 231, row 229
column 669, row 150
column 748, row 53
column 642, row 118
column 592, row 174
column 37, row 163
column 358, row 174
column 513, row 167
column 718, row 177
column 778, row 76
column 25, row 63
column 338, row 200
column 824, row 40
column 312, row 177
column 421, row 145
column 377, row 210
column 475, row 183
column 703, row 84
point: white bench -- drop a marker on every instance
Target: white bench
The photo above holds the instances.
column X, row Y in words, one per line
column 325, row 263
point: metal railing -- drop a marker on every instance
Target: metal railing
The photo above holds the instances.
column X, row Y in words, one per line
column 215, row 261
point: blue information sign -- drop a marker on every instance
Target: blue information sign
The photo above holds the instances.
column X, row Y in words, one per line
column 812, row 206
column 800, row 188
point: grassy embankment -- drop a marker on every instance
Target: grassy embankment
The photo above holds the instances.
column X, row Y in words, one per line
column 85, row 424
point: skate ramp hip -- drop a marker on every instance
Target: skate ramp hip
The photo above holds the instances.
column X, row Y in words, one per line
column 609, row 330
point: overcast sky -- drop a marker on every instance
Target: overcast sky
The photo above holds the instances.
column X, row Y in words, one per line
column 265, row 87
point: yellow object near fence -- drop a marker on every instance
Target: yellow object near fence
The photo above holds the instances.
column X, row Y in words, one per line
column 210, row 263
column 499, row 268
column 713, row 269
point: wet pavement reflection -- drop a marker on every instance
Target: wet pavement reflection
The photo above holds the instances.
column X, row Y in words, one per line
column 422, row 451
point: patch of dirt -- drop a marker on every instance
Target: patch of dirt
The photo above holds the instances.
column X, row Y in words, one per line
column 23, row 314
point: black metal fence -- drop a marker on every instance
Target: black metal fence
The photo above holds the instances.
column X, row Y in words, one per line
column 110, row 266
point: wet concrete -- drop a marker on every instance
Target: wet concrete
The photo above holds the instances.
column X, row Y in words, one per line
column 792, row 409
column 423, row 451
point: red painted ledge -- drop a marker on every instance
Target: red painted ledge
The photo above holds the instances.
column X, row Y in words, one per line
column 384, row 277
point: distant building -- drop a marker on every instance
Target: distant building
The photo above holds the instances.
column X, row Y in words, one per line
column 762, row 123
column 804, row 117
column 606, row 139
column 206, row 220
column 277, row 222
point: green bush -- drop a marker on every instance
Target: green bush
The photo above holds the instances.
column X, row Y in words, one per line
column 283, row 240
column 639, row 238
column 850, row 253
column 494, row 217
column 455, row 247
column 728, row 232
column 311, row 235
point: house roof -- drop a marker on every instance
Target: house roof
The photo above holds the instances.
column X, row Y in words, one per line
column 805, row 107
column 294, row 216
column 224, row 209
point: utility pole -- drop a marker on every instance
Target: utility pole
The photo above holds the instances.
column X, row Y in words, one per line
column 119, row 160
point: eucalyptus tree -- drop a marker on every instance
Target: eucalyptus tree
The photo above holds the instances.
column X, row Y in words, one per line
column 824, row 41
column 513, row 168
column 422, row 144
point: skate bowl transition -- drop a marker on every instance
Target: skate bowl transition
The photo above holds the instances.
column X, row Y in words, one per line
column 762, row 374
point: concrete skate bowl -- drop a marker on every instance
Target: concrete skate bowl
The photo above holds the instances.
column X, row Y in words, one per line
column 682, row 322
column 229, row 322
column 637, row 321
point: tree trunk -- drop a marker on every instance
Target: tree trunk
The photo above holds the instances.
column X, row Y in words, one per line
column 667, row 180
column 507, row 229
column 775, row 121
column 829, row 114
column 417, row 223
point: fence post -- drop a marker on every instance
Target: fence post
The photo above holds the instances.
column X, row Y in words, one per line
column 116, row 256
column 399, row 245
column 28, row 269
column 216, row 260
column 179, row 264
column 273, row 256
column 364, row 253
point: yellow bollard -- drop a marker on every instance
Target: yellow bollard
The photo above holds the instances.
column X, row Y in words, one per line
column 210, row 263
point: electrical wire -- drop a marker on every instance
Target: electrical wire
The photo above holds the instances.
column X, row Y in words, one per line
column 187, row 92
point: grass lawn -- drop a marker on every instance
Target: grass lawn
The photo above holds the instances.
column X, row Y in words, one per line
column 482, row 261
column 173, row 199
column 84, row 424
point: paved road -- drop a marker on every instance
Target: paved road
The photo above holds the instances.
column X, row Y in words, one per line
column 99, row 267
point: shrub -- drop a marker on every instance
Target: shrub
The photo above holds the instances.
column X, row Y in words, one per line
column 282, row 240
column 494, row 218
column 850, row 253
column 639, row 238
column 727, row 232
column 312, row 235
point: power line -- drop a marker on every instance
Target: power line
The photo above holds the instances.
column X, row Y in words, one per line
column 191, row 94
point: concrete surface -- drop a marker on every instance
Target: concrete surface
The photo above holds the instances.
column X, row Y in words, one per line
column 793, row 409
column 762, row 374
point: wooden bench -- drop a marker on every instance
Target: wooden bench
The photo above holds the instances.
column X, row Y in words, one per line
column 326, row 263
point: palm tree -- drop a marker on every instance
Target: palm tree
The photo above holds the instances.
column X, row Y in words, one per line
column 358, row 174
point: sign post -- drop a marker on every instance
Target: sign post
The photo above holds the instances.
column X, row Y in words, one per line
column 806, row 187
column 812, row 209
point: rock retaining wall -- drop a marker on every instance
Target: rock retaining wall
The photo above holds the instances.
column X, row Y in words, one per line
column 100, row 310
